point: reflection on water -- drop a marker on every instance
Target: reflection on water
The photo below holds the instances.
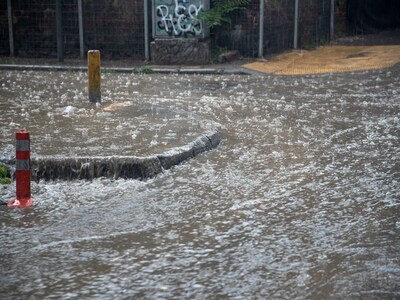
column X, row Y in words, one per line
column 300, row 200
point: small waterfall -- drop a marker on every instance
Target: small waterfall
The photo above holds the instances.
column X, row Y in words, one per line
column 72, row 168
column 48, row 168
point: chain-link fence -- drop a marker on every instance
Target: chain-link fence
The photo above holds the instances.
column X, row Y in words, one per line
column 4, row 47
column 279, row 23
column 34, row 27
column 314, row 23
column 116, row 27
column 243, row 32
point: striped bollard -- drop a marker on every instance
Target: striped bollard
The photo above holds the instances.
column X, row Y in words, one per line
column 22, row 170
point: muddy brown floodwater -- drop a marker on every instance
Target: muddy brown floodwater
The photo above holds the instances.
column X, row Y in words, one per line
column 299, row 201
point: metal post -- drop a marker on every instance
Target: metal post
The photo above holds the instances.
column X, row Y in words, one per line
column 80, row 21
column 94, row 76
column 261, row 31
column 332, row 31
column 296, row 23
column 10, row 28
column 146, row 30
column 60, row 50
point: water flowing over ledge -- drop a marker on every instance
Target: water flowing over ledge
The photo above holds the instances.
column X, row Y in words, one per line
column 71, row 168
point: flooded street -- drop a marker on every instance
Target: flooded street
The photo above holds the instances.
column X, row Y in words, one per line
column 301, row 200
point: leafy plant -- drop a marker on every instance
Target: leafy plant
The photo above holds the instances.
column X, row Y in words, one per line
column 4, row 178
column 146, row 70
column 219, row 13
column 107, row 71
column 308, row 47
column 216, row 52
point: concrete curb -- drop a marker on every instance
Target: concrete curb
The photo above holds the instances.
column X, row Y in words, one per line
column 127, row 167
column 154, row 70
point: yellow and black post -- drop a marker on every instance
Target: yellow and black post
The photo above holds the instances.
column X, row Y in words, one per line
column 94, row 76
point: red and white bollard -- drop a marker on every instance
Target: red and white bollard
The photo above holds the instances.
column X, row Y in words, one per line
column 22, row 170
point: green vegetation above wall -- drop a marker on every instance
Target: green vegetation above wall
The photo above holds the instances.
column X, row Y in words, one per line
column 219, row 13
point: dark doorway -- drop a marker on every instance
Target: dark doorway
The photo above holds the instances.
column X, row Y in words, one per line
column 368, row 16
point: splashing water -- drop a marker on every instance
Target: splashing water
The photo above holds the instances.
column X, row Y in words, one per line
column 300, row 200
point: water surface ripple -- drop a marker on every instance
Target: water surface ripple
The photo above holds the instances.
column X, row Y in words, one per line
column 299, row 201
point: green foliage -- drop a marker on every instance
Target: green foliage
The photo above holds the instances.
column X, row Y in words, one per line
column 4, row 178
column 219, row 13
column 216, row 52
column 146, row 70
column 308, row 46
column 107, row 71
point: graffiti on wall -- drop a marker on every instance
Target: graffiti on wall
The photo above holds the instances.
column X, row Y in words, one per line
column 177, row 18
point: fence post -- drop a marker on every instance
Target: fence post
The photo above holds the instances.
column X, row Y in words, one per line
column 332, row 27
column 261, row 30
column 146, row 30
column 10, row 27
column 22, row 170
column 80, row 21
column 59, row 25
column 296, row 23
column 94, row 76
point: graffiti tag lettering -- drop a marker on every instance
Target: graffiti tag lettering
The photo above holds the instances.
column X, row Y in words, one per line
column 178, row 18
